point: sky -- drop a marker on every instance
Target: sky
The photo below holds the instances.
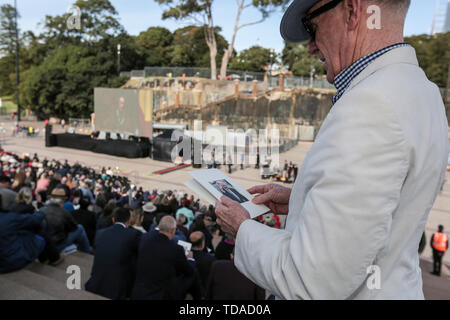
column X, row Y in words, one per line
column 139, row 15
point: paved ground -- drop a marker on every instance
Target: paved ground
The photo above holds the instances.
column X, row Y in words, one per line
column 140, row 172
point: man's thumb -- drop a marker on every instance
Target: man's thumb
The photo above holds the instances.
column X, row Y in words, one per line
column 261, row 198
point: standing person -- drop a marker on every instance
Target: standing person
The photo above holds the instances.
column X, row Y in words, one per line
column 285, row 171
column 370, row 178
column 63, row 123
column 115, row 255
column 291, row 167
column 439, row 244
column 257, row 160
column 295, row 172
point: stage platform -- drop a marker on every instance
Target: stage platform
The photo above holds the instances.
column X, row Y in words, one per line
column 119, row 148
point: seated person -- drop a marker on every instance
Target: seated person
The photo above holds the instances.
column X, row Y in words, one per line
column 20, row 242
column 163, row 272
column 227, row 283
column 203, row 259
column 85, row 217
column 62, row 228
column 115, row 255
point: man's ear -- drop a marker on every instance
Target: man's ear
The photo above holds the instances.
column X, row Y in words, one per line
column 353, row 13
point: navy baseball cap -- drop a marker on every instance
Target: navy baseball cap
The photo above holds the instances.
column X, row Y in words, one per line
column 291, row 27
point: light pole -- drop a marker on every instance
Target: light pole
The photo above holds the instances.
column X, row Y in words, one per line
column 271, row 61
column 118, row 60
column 17, row 63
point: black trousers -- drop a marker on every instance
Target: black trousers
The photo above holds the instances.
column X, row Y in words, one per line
column 50, row 252
column 437, row 261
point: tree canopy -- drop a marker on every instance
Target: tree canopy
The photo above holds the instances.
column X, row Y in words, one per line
column 60, row 67
column 256, row 59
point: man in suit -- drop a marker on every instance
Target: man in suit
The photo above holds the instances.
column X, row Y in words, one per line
column 227, row 283
column 203, row 260
column 115, row 255
column 163, row 271
column 356, row 216
column 231, row 193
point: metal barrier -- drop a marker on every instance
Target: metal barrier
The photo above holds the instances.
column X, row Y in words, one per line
column 79, row 125
column 242, row 76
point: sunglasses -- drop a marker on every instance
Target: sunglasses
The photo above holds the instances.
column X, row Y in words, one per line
column 306, row 20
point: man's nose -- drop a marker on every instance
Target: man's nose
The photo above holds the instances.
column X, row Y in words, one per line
column 312, row 49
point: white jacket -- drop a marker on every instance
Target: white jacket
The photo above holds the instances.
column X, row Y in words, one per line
column 363, row 193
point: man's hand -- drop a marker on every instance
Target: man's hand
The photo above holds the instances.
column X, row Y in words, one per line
column 230, row 215
column 274, row 196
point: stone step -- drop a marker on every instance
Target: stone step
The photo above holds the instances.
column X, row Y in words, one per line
column 48, row 286
column 48, row 271
column 89, row 258
column 11, row 290
column 82, row 260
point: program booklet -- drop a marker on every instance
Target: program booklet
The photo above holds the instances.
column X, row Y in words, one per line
column 211, row 184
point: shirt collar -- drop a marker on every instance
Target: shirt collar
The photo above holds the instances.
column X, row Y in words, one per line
column 121, row 224
column 343, row 80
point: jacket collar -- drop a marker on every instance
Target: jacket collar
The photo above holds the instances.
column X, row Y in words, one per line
column 405, row 55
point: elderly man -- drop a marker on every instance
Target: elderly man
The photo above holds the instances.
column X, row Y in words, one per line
column 163, row 271
column 362, row 197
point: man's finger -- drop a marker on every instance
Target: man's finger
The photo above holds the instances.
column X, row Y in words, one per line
column 262, row 198
column 219, row 209
column 227, row 201
column 257, row 189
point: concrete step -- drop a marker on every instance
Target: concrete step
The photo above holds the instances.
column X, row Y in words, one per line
column 10, row 290
column 48, row 271
column 82, row 260
column 48, row 286
column 89, row 258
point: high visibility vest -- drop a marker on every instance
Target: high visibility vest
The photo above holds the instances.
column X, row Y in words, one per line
column 440, row 241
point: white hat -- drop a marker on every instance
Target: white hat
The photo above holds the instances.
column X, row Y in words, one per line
column 149, row 207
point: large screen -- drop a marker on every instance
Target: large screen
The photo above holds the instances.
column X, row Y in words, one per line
column 124, row 111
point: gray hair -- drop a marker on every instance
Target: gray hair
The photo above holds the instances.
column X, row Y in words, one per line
column 24, row 196
column 167, row 224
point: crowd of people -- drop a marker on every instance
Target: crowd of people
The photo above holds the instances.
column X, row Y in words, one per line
column 49, row 207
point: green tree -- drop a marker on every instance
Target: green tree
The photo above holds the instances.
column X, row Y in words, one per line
column 265, row 7
column 7, row 29
column 64, row 83
column 199, row 12
column 255, row 59
column 155, row 45
column 299, row 61
column 433, row 54
column 7, row 49
column 99, row 19
column 74, row 62
column 190, row 50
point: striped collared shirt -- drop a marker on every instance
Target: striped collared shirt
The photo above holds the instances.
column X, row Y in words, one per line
column 346, row 76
